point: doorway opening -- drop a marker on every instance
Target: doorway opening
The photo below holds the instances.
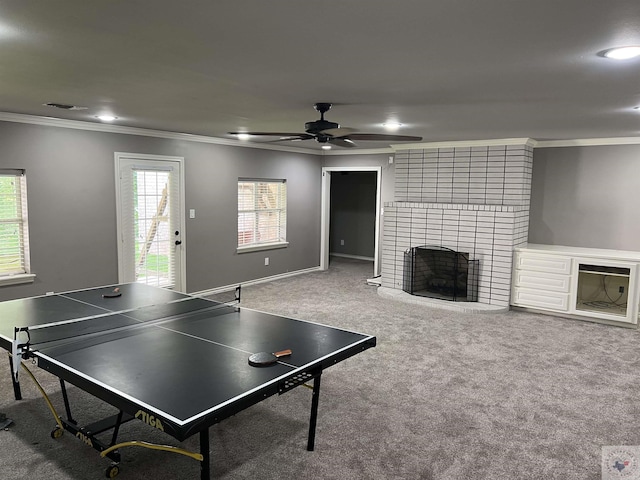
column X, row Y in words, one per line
column 339, row 227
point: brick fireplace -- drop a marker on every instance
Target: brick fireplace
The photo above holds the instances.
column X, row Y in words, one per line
column 465, row 198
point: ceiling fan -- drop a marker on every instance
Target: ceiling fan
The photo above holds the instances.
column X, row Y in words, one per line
column 324, row 131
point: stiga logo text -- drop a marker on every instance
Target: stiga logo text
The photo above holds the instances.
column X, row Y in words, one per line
column 149, row 419
column 84, row 438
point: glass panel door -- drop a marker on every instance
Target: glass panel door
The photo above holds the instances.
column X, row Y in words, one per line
column 150, row 222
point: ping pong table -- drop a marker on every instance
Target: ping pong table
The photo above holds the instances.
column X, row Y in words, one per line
column 176, row 362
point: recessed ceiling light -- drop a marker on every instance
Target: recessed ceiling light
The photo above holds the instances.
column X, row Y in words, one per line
column 391, row 126
column 326, row 147
column 106, row 118
column 623, row 53
column 243, row 136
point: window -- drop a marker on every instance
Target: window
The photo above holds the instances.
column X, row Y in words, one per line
column 262, row 214
column 14, row 232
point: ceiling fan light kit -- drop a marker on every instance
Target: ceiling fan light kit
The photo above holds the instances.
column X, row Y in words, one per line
column 324, row 131
column 392, row 126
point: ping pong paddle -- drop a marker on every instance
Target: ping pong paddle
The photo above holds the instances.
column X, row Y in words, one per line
column 263, row 359
column 116, row 293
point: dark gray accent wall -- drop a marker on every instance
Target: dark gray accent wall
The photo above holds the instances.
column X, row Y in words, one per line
column 353, row 213
column 72, row 206
column 586, row 197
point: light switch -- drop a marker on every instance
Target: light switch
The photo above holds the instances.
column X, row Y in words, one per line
column 192, row 213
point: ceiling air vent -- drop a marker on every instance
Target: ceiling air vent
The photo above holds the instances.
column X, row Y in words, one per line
column 64, row 106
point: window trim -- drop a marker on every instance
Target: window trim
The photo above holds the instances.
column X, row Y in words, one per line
column 16, row 278
column 256, row 247
column 261, row 246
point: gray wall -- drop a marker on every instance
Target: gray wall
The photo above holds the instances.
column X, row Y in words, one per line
column 581, row 196
column 369, row 160
column 586, row 197
column 211, row 187
column 72, row 206
column 353, row 213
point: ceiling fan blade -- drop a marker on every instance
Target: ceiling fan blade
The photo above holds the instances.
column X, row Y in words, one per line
column 341, row 142
column 338, row 132
column 383, row 137
column 302, row 136
column 269, row 134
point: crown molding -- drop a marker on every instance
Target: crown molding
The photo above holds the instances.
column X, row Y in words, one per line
column 367, row 151
column 588, row 142
column 124, row 130
column 466, row 143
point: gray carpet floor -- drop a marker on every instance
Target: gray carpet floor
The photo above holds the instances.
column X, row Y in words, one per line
column 444, row 395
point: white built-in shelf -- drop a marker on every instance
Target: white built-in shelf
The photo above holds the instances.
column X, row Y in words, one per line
column 587, row 283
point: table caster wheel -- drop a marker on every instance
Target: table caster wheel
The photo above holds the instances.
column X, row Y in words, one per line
column 57, row 432
column 112, row 471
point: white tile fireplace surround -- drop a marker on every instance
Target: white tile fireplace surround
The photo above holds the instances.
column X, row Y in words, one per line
column 472, row 199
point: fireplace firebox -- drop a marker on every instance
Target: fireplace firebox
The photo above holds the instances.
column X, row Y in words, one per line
column 439, row 272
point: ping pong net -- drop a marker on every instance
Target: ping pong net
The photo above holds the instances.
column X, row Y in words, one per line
column 95, row 329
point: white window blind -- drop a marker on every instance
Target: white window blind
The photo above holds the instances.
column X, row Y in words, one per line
column 147, row 203
column 14, row 232
column 262, row 212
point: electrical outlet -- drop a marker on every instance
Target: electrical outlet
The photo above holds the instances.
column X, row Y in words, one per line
column 621, row 289
column 341, row 242
column 266, row 261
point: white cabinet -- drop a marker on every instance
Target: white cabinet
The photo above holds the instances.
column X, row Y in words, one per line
column 580, row 282
column 541, row 281
column 603, row 288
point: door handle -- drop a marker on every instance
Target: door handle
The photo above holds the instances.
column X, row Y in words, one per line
column 178, row 242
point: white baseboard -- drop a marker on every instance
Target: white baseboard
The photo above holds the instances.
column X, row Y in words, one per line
column 355, row 257
column 227, row 288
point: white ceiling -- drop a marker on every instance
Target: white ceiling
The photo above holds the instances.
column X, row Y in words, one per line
column 448, row 69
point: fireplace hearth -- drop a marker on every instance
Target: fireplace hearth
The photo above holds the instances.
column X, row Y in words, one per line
column 439, row 272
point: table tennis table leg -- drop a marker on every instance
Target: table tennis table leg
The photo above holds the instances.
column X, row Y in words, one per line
column 16, row 386
column 204, row 451
column 314, row 413
column 65, row 399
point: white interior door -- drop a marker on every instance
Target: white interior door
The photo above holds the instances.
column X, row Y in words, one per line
column 150, row 222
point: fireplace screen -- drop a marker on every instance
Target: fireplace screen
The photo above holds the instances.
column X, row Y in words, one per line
column 439, row 272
